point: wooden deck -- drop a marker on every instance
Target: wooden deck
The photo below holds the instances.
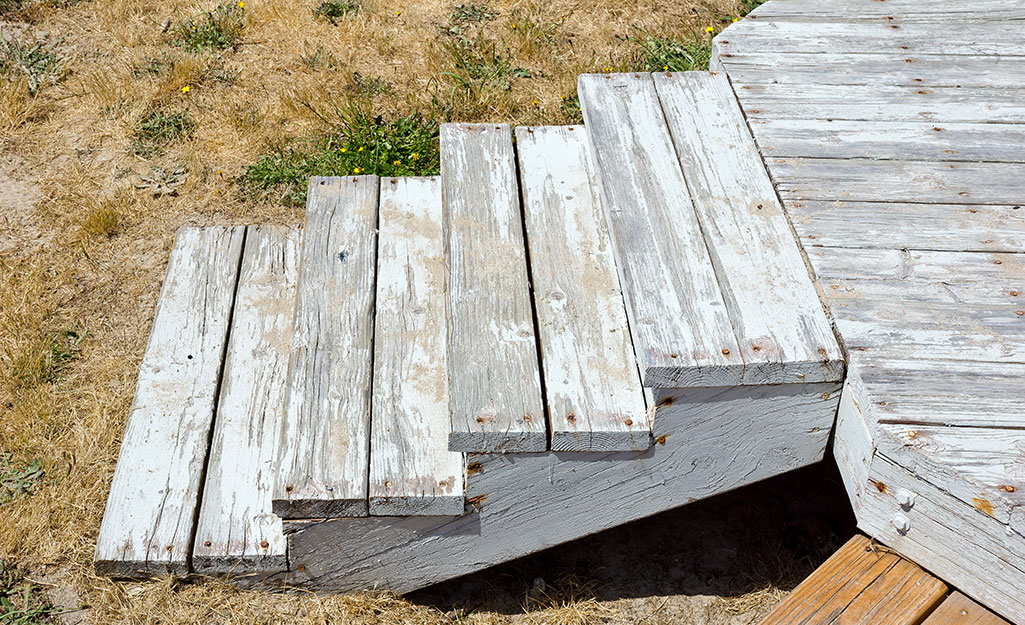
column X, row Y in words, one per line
column 892, row 131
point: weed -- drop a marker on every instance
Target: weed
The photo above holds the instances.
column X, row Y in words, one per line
column 153, row 65
column 17, row 482
column 570, row 107
column 533, row 33
column 479, row 65
column 333, row 10
column 368, row 86
column 218, row 29
column 162, row 181
column 44, row 357
column 667, row 54
column 361, row 144
column 467, row 17
column 158, row 129
column 37, row 60
column 21, row 602
column 750, row 5
column 318, row 57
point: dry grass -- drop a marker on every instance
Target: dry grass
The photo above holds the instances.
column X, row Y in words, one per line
column 84, row 240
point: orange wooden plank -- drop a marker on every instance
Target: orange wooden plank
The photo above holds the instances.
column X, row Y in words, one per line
column 960, row 610
column 861, row 583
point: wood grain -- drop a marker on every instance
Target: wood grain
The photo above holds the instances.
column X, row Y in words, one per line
column 680, row 324
column 494, row 378
column 595, row 399
column 323, row 459
column 893, row 11
column 151, row 509
column 783, row 332
column 236, row 530
column 861, row 584
column 412, row 472
column 958, row 609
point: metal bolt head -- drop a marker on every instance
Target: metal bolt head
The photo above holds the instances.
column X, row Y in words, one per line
column 901, row 523
column 905, row 498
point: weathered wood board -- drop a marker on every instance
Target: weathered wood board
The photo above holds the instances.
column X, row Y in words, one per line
column 412, row 471
column 150, row 517
column 236, row 530
column 595, row 399
column 891, row 11
column 681, row 328
column 704, row 448
column 783, row 332
column 322, row 468
column 494, row 381
column 882, row 103
column 958, row 609
column 861, row 583
column 891, row 140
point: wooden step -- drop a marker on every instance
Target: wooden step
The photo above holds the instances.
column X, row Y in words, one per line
column 148, row 524
column 716, row 284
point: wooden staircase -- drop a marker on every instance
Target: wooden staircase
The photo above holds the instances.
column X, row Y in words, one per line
column 556, row 336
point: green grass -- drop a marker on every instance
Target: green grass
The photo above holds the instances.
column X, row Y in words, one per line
column 669, row 54
column 15, row 482
column 479, row 65
column 44, row 358
column 158, row 129
column 334, row 10
column 362, row 144
column 37, row 60
column 218, row 29
column 21, row 602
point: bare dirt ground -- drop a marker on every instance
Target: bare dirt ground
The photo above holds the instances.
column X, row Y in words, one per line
column 97, row 93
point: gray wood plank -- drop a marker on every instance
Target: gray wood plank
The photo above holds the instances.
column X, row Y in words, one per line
column 148, row 524
column 930, row 70
column 882, row 103
column 897, row 181
column 236, row 531
column 883, row 225
column 890, row 11
column 680, row 325
column 325, row 435
column 412, row 472
column 595, row 399
column 898, row 140
column 950, row 38
column 776, row 313
column 1006, row 272
column 494, row 378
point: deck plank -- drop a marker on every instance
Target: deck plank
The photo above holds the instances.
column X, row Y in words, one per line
column 236, row 531
column 150, row 517
column 861, row 583
column 664, row 264
column 891, row 140
column 776, row 313
column 892, row 11
column 494, row 377
column 323, row 452
column 595, row 399
column 882, row 103
column 412, row 472
column 958, row 609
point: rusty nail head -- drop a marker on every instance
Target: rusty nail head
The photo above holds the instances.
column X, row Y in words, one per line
column 629, row 422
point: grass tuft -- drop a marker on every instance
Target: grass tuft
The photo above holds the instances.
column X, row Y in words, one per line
column 42, row 359
column 218, row 29
column 158, row 129
column 334, row 10
column 102, row 220
column 37, row 60
column 362, row 144
column 467, row 17
column 669, row 54
column 15, row 482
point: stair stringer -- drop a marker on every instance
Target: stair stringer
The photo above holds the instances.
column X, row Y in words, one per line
column 528, row 502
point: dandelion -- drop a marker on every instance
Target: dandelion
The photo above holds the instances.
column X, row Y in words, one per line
column 241, row 5
column 534, row 102
column 186, row 89
column 415, row 156
column 665, row 68
column 608, row 69
column 396, row 162
column 218, row 172
column 735, row 20
column 360, row 149
column 514, row 25
column 398, row 13
column 710, row 29
column 357, row 170
column 343, row 150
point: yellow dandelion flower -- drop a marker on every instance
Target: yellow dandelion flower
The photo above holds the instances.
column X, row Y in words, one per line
column 710, row 29
column 186, row 89
column 360, row 149
column 241, row 5
column 343, row 150
column 398, row 13
column 514, row 25
column 665, row 68
column 415, row 156
column 218, row 172
column 736, row 19
column 357, row 170
column 535, row 102
column 396, row 162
